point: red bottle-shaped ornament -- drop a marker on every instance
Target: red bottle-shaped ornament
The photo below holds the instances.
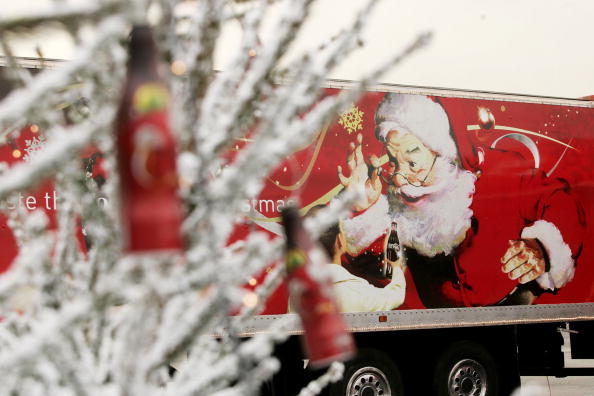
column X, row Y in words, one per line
column 151, row 211
column 325, row 338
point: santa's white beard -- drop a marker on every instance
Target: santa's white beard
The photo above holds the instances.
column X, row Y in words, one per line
column 438, row 222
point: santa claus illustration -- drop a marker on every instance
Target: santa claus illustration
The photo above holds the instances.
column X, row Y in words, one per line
column 501, row 234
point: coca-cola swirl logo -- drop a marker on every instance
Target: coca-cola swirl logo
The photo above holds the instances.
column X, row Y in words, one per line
column 149, row 165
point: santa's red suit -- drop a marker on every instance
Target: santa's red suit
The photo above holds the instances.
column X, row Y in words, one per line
column 511, row 201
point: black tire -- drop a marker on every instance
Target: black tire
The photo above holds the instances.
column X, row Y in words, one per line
column 371, row 372
column 466, row 368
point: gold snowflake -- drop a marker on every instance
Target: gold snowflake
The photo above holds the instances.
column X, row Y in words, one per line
column 352, row 119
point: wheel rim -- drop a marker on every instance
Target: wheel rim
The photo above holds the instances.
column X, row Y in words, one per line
column 468, row 378
column 368, row 381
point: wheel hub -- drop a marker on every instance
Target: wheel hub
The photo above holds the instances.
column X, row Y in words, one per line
column 467, row 378
column 368, row 381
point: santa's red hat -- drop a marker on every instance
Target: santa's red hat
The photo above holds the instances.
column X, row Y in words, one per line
column 419, row 116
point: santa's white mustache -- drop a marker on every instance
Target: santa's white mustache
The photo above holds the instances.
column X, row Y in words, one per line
column 411, row 191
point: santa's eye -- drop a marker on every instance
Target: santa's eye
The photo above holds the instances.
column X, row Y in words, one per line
column 412, row 164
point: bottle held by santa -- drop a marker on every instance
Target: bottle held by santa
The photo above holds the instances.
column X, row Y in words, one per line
column 393, row 251
column 151, row 211
column 325, row 337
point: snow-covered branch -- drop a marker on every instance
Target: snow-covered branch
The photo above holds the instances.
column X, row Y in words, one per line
column 72, row 13
column 80, row 317
column 26, row 100
column 63, row 146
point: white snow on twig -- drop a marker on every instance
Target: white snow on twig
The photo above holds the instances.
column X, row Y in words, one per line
column 94, row 322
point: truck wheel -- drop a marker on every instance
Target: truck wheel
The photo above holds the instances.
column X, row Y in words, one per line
column 466, row 369
column 371, row 373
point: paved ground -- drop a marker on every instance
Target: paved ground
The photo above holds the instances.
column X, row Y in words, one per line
column 551, row 386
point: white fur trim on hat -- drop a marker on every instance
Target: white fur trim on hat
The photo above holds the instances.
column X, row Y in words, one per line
column 360, row 231
column 419, row 116
column 562, row 263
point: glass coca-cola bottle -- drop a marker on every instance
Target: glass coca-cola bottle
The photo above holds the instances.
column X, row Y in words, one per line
column 393, row 252
column 151, row 211
column 325, row 337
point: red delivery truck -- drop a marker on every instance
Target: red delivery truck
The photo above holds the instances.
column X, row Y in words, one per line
column 468, row 262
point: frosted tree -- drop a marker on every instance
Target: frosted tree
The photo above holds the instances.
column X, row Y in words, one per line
column 96, row 321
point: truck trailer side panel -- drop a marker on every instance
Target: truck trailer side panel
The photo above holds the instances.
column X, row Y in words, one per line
column 488, row 201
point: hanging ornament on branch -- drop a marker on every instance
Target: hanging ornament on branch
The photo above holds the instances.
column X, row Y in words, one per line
column 325, row 338
column 151, row 212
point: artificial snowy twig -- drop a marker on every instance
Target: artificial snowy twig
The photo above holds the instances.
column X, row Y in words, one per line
column 334, row 373
column 29, row 347
column 22, row 101
column 92, row 321
column 72, row 13
column 64, row 145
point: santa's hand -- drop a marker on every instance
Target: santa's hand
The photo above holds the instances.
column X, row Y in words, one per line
column 524, row 260
column 394, row 264
column 364, row 177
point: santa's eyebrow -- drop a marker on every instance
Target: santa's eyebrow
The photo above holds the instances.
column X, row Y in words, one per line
column 412, row 150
